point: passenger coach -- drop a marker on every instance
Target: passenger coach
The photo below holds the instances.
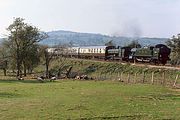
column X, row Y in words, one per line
column 92, row 52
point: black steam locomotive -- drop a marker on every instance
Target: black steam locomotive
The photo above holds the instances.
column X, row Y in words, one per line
column 158, row 54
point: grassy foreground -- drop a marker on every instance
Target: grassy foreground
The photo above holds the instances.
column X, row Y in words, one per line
column 86, row 100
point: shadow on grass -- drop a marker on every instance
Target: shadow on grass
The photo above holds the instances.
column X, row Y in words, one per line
column 23, row 81
column 9, row 95
column 124, row 117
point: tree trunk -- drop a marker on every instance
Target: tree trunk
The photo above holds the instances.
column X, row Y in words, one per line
column 18, row 63
column 4, row 71
column 47, row 70
column 18, row 68
column 25, row 70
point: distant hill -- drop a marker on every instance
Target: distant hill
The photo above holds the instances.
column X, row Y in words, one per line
column 1, row 39
column 86, row 39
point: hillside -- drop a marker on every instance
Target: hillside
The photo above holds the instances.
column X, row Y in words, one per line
column 86, row 39
column 1, row 39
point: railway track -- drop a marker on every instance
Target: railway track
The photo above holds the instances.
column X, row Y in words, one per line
column 135, row 64
column 157, row 66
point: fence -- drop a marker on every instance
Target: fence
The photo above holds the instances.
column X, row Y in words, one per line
column 164, row 78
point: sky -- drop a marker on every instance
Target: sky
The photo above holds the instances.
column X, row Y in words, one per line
column 133, row 18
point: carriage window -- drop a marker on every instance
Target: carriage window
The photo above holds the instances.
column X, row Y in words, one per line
column 103, row 50
column 91, row 50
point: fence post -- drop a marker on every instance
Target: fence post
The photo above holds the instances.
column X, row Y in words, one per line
column 177, row 76
column 105, row 76
column 143, row 77
column 164, row 79
column 128, row 80
column 121, row 76
column 135, row 77
column 100, row 76
column 118, row 76
column 152, row 78
column 134, row 60
column 110, row 76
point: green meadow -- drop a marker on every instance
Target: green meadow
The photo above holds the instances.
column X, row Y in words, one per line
column 86, row 100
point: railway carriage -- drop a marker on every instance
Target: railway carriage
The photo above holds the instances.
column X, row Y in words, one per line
column 74, row 51
column 92, row 52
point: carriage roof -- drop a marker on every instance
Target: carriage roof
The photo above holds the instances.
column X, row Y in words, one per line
column 93, row 47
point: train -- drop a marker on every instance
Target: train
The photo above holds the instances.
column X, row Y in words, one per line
column 158, row 54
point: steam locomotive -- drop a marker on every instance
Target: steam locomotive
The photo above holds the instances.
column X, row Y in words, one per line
column 158, row 54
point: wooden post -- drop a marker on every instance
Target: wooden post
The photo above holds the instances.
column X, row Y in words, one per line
column 128, row 80
column 118, row 76
column 143, row 77
column 164, row 79
column 111, row 76
column 104, row 78
column 135, row 77
column 152, row 78
column 107, row 76
column 134, row 60
column 121, row 77
column 99, row 76
column 177, row 76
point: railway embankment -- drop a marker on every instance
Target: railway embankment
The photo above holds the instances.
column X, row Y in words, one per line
column 123, row 72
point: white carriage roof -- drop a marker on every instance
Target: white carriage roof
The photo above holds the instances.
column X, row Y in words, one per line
column 74, row 47
column 89, row 47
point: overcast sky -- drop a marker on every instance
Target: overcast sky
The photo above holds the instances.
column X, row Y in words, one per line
column 151, row 18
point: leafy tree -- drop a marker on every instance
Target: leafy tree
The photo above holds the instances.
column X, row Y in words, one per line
column 174, row 44
column 22, row 40
column 31, row 59
column 3, row 59
column 7, row 53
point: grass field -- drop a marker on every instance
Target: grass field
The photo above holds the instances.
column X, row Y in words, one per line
column 86, row 100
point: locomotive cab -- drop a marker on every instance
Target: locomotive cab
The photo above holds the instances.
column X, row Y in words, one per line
column 126, row 53
column 113, row 53
column 164, row 53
